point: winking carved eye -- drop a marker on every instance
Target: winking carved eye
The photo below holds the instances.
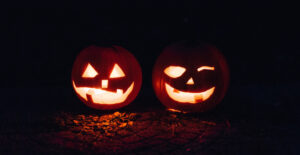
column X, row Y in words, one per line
column 185, row 96
column 190, row 76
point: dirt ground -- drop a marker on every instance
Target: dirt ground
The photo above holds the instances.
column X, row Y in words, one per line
column 147, row 132
column 237, row 126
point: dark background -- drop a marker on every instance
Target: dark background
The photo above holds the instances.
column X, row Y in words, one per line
column 261, row 45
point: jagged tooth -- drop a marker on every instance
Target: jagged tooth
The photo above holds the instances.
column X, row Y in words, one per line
column 119, row 91
column 90, row 92
column 176, row 90
column 198, row 98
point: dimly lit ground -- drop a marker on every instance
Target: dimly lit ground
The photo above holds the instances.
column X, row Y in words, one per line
column 232, row 128
column 40, row 113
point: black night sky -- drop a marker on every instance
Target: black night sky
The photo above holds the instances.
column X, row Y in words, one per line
column 260, row 44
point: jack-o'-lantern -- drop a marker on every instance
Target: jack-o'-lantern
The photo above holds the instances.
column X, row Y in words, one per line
column 190, row 76
column 106, row 77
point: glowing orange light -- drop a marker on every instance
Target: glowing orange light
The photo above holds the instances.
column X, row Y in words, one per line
column 89, row 72
column 174, row 71
column 205, row 68
column 188, row 97
column 104, row 83
column 190, row 81
column 173, row 110
column 100, row 96
column 116, row 72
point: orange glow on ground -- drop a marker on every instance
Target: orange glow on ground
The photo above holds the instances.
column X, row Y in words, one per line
column 188, row 97
column 175, row 110
column 100, row 96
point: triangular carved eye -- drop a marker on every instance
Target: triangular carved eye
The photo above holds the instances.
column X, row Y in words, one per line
column 89, row 72
column 116, row 72
column 174, row 71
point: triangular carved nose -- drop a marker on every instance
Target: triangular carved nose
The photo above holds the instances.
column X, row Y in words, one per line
column 190, row 81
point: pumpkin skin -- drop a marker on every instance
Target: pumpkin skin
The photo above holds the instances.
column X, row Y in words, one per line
column 190, row 76
column 106, row 77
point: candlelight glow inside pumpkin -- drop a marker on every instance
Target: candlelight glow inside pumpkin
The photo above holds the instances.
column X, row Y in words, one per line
column 190, row 77
column 101, row 96
column 102, row 87
column 182, row 96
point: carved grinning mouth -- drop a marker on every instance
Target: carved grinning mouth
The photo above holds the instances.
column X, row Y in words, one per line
column 100, row 96
column 188, row 97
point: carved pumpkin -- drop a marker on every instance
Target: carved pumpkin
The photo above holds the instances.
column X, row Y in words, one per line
column 190, row 77
column 106, row 77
